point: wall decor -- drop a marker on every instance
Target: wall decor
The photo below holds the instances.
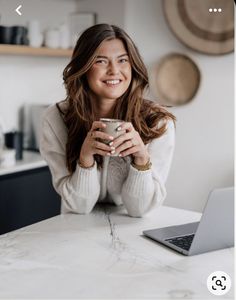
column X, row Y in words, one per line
column 206, row 26
column 175, row 80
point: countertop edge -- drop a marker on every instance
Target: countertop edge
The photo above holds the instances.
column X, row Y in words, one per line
column 31, row 160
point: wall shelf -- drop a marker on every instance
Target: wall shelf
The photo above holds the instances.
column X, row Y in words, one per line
column 42, row 51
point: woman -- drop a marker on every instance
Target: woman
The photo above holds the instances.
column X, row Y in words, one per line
column 106, row 78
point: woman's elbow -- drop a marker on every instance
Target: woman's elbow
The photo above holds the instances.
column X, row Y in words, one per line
column 84, row 210
column 136, row 212
column 137, row 207
column 81, row 205
column 85, row 206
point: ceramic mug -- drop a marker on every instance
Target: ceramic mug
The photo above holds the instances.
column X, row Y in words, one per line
column 34, row 34
column 5, row 34
column 14, row 140
column 52, row 38
column 111, row 129
column 19, row 35
column 8, row 158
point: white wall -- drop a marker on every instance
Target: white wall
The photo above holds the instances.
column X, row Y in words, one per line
column 204, row 139
column 108, row 11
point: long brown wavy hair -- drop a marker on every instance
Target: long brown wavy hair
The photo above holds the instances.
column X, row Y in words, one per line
column 79, row 113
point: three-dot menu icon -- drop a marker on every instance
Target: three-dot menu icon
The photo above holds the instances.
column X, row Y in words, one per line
column 215, row 10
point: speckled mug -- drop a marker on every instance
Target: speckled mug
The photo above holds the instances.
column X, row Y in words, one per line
column 111, row 129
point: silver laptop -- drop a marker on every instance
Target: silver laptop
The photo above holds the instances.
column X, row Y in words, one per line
column 214, row 231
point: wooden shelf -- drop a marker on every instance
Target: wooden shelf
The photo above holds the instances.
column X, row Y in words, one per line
column 42, row 51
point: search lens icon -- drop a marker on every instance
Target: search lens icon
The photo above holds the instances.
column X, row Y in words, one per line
column 219, row 283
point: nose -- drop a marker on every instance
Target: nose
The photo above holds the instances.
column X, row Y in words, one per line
column 113, row 68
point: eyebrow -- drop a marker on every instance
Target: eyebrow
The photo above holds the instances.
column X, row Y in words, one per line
column 101, row 56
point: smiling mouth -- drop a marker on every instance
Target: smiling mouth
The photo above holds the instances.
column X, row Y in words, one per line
column 113, row 82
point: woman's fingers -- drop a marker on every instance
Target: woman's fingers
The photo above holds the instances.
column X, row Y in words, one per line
column 129, row 151
column 95, row 133
column 126, row 126
column 127, row 140
column 122, row 138
column 102, row 135
column 104, row 144
column 102, row 153
column 126, row 145
column 101, row 146
column 97, row 125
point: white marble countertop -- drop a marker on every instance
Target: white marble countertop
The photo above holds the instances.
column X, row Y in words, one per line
column 31, row 160
column 103, row 255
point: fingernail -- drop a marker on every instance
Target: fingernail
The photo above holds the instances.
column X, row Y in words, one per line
column 111, row 137
column 113, row 151
column 111, row 143
column 108, row 154
column 113, row 148
column 120, row 155
column 119, row 128
column 104, row 125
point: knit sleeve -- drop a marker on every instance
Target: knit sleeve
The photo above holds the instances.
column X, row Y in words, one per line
column 143, row 190
column 75, row 190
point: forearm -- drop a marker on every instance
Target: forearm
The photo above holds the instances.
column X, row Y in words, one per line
column 138, row 192
column 79, row 191
column 76, row 192
column 144, row 189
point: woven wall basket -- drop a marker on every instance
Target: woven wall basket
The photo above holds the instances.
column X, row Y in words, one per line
column 175, row 80
column 198, row 28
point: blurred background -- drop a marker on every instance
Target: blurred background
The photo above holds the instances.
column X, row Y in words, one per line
column 194, row 78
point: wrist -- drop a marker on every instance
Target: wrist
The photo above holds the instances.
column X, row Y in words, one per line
column 144, row 167
column 142, row 164
column 86, row 161
column 141, row 160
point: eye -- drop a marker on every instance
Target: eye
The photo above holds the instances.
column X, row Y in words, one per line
column 101, row 61
column 123, row 60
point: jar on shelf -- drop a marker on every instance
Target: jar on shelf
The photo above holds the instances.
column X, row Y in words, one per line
column 52, row 38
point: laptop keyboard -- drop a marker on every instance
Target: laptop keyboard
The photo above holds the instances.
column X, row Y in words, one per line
column 183, row 242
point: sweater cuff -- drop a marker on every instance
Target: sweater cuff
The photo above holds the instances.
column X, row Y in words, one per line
column 138, row 182
column 86, row 177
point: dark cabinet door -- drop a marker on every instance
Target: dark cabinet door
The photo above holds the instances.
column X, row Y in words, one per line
column 27, row 197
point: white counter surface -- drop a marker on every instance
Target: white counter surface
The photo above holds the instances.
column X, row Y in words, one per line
column 103, row 255
column 31, row 160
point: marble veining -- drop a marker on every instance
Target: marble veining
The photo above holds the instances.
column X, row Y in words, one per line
column 103, row 255
column 123, row 252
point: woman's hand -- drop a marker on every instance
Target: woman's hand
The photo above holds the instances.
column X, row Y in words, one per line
column 131, row 143
column 92, row 145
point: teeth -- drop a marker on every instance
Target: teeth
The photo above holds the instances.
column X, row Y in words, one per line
column 113, row 81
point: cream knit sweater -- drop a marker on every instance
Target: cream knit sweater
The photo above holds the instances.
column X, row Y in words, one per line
column 117, row 182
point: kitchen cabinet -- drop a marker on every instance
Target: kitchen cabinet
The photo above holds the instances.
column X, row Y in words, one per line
column 27, row 196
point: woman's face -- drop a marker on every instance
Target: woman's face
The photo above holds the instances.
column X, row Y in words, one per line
column 110, row 75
